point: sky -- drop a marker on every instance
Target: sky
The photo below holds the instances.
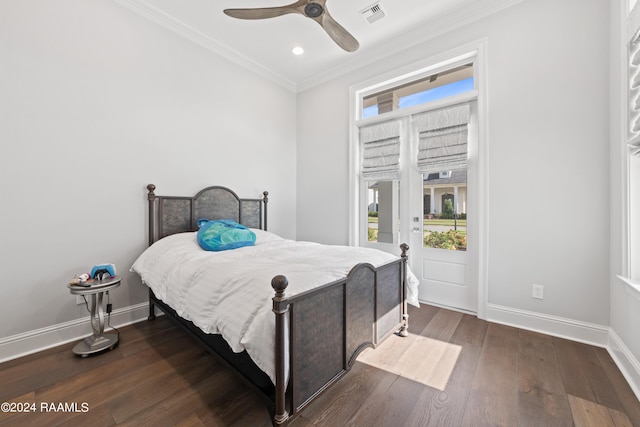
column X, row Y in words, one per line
column 439, row 92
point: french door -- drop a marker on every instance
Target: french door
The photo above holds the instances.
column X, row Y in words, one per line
column 443, row 228
column 435, row 213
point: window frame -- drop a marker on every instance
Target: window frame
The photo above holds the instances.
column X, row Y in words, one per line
column 357, row 187
column 631, row 164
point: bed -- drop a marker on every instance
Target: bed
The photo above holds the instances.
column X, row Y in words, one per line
column 263, row 318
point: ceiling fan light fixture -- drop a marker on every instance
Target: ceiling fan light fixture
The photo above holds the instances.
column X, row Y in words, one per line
column 315, row 10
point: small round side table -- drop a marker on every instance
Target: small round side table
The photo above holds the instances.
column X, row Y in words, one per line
column 99, row 340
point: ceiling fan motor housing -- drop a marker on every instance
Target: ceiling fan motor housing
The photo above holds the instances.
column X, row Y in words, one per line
column 313, row 10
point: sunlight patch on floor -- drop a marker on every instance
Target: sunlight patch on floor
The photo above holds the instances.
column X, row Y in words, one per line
column 586, row 413
column 425, row 360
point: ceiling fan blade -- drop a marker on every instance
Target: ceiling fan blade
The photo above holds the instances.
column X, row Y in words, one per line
column 337, row 32
column 266, row 12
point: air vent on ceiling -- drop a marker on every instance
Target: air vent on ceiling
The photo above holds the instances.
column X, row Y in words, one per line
column 373, row 13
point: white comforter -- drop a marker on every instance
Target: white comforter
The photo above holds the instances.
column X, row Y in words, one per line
column 223, row 296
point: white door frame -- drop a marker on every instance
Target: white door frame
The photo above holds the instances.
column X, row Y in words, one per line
column 476, row 50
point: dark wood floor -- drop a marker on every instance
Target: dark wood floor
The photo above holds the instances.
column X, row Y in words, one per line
column 453, row 370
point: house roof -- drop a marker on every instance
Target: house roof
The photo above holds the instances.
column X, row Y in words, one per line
column 457, row 177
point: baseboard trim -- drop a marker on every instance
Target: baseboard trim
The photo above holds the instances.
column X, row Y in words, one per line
column 30, row 342
column 626, row 361
column 588, row 333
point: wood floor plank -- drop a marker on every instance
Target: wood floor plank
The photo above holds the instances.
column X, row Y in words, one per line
column 386, row 356
column 494, row 391
column 430, row 359
column 95, row 417
column 584, row 375
column 143, row 335
column 16, row 418
column 419, row 317
column 443, row 325
column 622, row 389
column 542, row 399
column 345, row 398
column 218, row 390
column 102, row 394
column 436, row 408
column 470, row 330
column 37, row 373
column 589, row 414
column 160, row 387
column 387, row 406
column 82, row 383
column 190, row 421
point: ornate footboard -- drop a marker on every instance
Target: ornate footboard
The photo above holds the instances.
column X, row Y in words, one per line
column 319, row 333
column 323, row 331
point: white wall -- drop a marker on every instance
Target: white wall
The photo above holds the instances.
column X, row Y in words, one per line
column 96, row 102
column 548, row 177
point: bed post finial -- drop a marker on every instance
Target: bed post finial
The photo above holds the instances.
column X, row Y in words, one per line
column 405, row 248
column 280, row 307
column 404, row 329
column 265, row 200
column 151, row 196
column 151, row 189
column 279, row 283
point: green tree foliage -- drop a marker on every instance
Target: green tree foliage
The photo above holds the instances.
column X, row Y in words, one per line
column 451, row 240
column 447, row 210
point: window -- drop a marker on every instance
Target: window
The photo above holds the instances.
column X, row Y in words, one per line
column 383, row 211
column 445, row 224
column 442, row 141
column 433, row 87
column 633, row 153
column 414, row 130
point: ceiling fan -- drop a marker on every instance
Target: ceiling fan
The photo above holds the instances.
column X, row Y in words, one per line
column 314, row 9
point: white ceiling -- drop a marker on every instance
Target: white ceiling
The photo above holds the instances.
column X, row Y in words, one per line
column 265, row 45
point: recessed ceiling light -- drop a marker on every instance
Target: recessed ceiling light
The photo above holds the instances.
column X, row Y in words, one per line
column 297, row 50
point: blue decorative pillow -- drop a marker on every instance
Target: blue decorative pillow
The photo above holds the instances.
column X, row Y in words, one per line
column 221, row 235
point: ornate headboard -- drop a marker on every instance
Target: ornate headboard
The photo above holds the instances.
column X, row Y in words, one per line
column 176, row 214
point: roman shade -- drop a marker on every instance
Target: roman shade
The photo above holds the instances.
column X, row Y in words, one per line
column 443, row 139
column 634, row 147
column 633, row 140
column 381, row 150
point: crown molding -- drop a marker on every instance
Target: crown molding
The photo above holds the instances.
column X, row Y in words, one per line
column 473, row 12
column 170, row 22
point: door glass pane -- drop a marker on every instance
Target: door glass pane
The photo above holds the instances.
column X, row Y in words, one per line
column 382, row 211
column 445, row 210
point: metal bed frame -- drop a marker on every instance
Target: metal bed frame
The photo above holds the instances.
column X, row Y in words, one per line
column 321, row 331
